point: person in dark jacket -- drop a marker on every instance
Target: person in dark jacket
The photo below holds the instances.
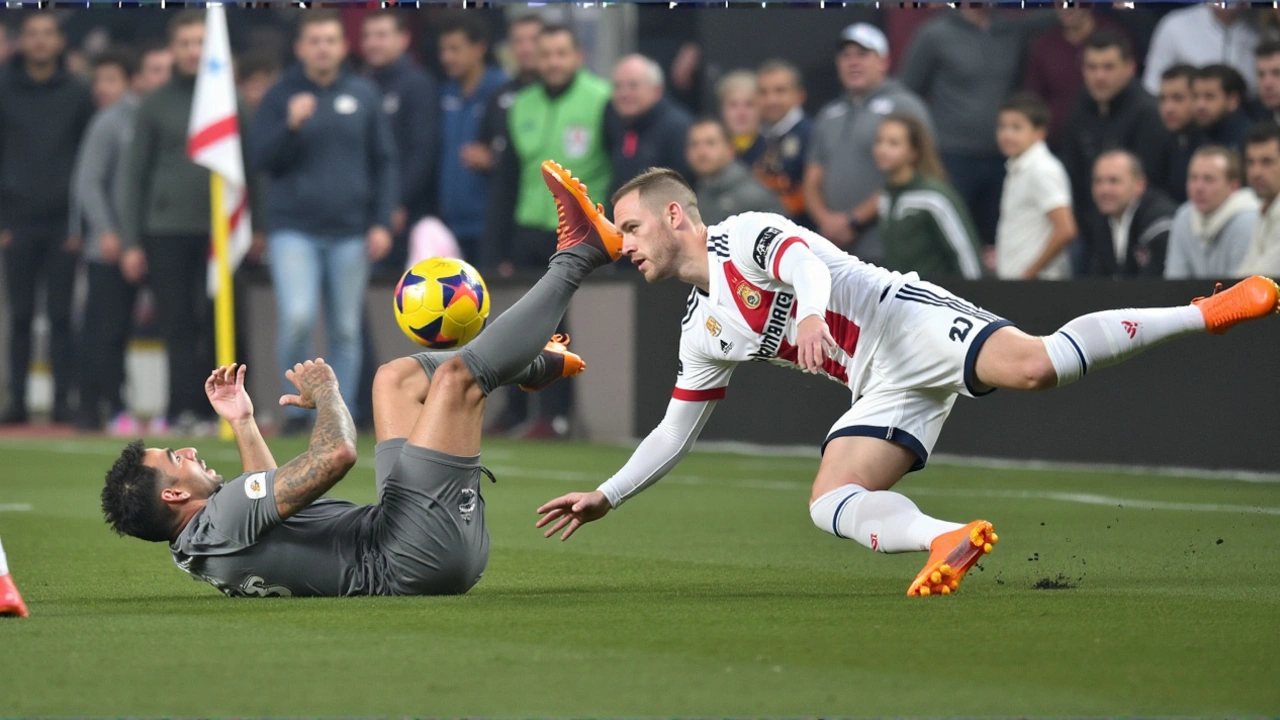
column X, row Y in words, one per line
column 409, row 100
column 725, row 186
column 1130, row 237
column 43, row 115
column 778, row 161
column 1178, row 113
column 463, row 182
column 164, row 227
column 1220, row 107
column 1113, row 112
column 644, row 128
column 323, row 140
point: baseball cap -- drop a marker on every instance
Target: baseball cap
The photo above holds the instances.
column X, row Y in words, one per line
column 866, row 35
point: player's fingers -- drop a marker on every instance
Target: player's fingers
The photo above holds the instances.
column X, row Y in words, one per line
column 559, row 502
column 549, row 517
column 558, row 526
column 229, row 372
column 240, row 376
column 290, row 400
column 573, row 527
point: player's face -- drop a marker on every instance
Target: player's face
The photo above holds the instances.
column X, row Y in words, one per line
column 109, row 85
column 186, row 468
column 321, row 47
column 778, row 94
column 1262, row 162
column 1177, row 104
column 1114, row 185
column 156, row 68
column 1211, row 102
column 458, row 55
column 558, row 59
column 861, row 70
column 1269, row 81
column 892, row 150
column 646, row 240
column 41, row 40
column 1106, row 72
column 1207, row 184
column 381, row 42
column 186, row 45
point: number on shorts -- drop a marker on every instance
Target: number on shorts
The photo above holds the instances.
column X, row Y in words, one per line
column 960, row 329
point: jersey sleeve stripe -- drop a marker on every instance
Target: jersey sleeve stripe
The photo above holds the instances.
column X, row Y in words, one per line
column 782, row 248
column 698, row 395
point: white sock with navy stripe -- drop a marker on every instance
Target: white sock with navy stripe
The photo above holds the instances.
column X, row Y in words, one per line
column 4, row 563
column 882, row 520
column 1105, row 338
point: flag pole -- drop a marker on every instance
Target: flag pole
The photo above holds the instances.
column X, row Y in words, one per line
column 224, row 307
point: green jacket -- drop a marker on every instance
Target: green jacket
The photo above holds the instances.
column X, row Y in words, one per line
column 569, row 129
column 927, row 229
column 164, row 193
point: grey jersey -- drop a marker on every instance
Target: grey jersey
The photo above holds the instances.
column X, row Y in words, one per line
column 240, row 545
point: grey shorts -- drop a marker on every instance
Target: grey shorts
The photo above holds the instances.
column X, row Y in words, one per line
column 429, row 531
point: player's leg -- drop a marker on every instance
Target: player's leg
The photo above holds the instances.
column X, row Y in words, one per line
column 10, row 600
column 1013, row 359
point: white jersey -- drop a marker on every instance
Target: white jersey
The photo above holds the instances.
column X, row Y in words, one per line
column 750, row 314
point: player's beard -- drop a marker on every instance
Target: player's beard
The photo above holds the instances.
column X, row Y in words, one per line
column 662, row 259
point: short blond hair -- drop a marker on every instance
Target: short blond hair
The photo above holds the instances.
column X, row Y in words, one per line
column 659, row 186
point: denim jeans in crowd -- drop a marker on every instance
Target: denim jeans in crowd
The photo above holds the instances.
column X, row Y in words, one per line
column 301, row 266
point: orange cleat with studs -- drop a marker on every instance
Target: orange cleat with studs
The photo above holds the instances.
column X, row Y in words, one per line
column 10, row 600
column 558, row 363
column 1252, row 298
column 581, row 221
column 950, row 557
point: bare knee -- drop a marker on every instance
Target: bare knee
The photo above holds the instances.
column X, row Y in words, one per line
column 454, row 379
column 402, row 377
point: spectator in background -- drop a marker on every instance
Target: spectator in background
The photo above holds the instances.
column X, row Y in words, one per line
column 924, row 224
column 778, row 162
column 560, row 117
column 256, row 72
column 1199, row 36
column 155, row 67
column 6, row 45
column 739, row 99
column 1262, row 164
column 522, row 41
column 323, row 139
column 97, row 194
column 1267, row 77
column 1177, row 105
column 164, row 227
column 964, row 63
column 43, row 115
column 1219, row 107
column 1052, row 69
column 463, row 185
column 1036, row 223
column 841, row 181
column 643, row 128
column 1131, row 236
column 1113, row 112
column 724, row 186
column 1211, row 232
column 410, row 102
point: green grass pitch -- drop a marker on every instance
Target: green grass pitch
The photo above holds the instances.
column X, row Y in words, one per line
column 710, row 595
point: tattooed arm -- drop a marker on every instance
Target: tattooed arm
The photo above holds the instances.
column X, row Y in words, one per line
column 225, row 388
column 332, row 452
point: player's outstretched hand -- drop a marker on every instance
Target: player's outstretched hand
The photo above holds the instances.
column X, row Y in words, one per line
column 573, row 511
column 312, row 378
column 225, row 388
column 813, row 343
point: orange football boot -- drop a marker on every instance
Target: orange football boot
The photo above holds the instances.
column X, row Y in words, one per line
column 558, row 363
column 950, row 557
column 10, row 600
column 580, row 220
column 1249, row 299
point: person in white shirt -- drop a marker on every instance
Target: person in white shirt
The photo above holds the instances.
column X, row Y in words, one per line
column 1199, row 36
column 1211, row 231
column 1036, row 223
column 766, row 289
column 1262, row 166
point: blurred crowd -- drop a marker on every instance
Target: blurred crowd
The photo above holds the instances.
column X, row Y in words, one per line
column 1016, row 144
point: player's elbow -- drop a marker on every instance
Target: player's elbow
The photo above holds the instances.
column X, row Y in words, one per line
column 343, row 457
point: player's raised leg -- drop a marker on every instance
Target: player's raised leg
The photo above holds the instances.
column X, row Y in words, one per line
column 1015, row 360
column 10, row 600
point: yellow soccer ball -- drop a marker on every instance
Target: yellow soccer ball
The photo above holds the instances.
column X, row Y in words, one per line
column 441, row 303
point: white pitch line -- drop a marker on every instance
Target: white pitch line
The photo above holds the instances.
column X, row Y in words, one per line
column 16, row 507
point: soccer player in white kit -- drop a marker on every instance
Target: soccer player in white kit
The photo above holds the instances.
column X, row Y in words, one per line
column 766, row 289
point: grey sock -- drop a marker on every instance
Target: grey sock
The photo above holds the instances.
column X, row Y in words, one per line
column 507, row 347
column 433, row 359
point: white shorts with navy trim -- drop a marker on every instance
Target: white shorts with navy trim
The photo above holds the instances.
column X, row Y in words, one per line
column 926, row 357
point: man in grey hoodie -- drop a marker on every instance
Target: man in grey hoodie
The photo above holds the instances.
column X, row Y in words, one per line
column 1211, row 231
column 97, row 187
column 725, row 186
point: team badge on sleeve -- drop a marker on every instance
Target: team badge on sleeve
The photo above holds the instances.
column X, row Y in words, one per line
column 760, row 253
column 713, row 327
column 255, row 486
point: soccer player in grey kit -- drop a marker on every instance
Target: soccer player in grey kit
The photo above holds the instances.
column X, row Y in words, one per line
column 269, row 532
